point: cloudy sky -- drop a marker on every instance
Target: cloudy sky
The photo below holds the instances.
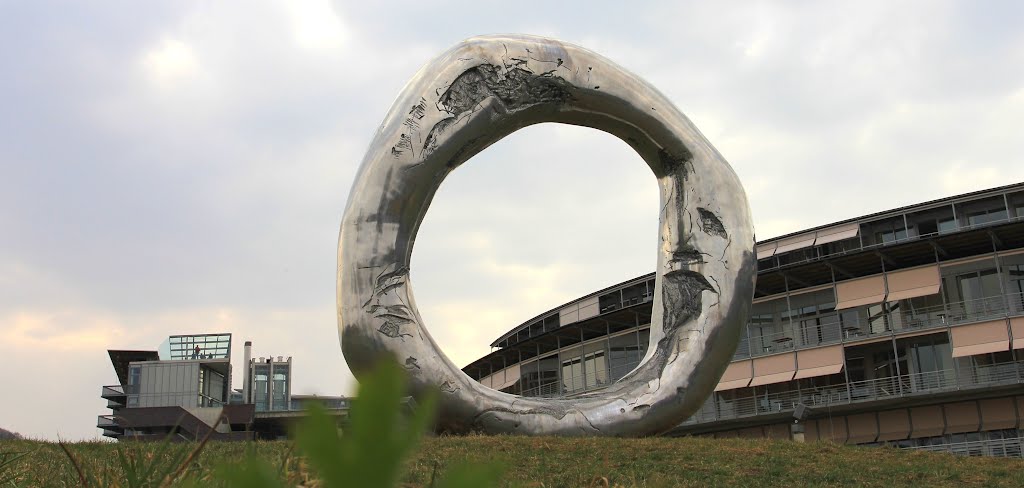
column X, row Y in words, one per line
column 182, row 166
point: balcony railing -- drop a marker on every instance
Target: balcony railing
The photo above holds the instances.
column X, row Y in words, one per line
column 113, row 391
column 1012, row 447
column 572, row 385
column 830, row 329
column 721, row 408
column 820, row 252
column 106, row 422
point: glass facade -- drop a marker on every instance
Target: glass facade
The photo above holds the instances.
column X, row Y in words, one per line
column 271, row 385
column 199, row 346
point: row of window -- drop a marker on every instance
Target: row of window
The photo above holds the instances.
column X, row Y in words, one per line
column 970, row 290
column 918, row 224
column 935, row 221
column 582, row 367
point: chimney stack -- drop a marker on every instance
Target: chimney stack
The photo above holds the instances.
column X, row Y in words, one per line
column 247, row 373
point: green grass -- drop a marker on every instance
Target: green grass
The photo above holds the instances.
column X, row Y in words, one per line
column 381, row 447
column 551, row 462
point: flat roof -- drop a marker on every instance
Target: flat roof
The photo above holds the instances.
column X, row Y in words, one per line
column 120, row 359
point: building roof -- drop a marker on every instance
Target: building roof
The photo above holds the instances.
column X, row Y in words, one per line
column 121, row 359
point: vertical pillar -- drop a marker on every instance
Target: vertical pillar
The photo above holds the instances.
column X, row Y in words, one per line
column 270, row 383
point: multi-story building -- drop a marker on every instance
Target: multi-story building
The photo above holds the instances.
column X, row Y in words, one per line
column 183, row 389
column 902, row 327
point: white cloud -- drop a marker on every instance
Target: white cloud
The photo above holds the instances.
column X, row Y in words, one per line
column 315, row 24
column 171, row 62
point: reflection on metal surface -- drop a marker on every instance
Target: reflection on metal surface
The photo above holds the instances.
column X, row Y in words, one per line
column 473, row 95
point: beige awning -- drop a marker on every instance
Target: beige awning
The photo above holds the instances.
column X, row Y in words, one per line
column 770, row 379
column 820, row 361
column 910, row 283
column 980, row 338
column 861, row 291
column 833, row 428
column 837, row 233
column 737, row 375
column 863, row 428
column 1017, row 327
column 927, row 421
column 961, row 417
column 796, row 242
column 766, row 250
column 773, row 369
column 893, row 425
column 998, row 413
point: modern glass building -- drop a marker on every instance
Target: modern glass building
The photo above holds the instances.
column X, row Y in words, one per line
column 182, row 389
column 902, row 327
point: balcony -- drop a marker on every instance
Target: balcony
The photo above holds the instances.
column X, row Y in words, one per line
column 117, row 393
column 830, row 329
column 106, row 422
column 957, row 379
column 819, row 252
column 568, row 386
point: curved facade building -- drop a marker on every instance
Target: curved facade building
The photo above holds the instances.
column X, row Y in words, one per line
column 902, row 327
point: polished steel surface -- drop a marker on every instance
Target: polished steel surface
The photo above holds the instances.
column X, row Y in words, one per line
column 468, row 98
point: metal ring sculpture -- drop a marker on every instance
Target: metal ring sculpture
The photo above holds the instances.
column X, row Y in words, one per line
column 472, row 96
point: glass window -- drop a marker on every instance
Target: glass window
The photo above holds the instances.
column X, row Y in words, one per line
column 596, row 369
column 884, row 231
column 623, row 354
column 528, row 378
column 595, row 365
column 842, row 246
column 797, row 256
column 969, row 289
column 551, row 322
column 983, row 212
column 814, row 316
column 134, row 373
column 947, row 225
column 610, row 301
column 634, row 294
column 261, row 383
column 931, row 222
column 281, row 374
column 768, row 322
column 1013, row 269
column 572, row 369
column 201, row 346
column 537, row 328
column 548, row 375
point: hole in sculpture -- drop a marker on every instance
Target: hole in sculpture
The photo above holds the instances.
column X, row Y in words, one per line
column 548, row 214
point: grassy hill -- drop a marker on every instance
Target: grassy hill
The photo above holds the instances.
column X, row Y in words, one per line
column 553, row 462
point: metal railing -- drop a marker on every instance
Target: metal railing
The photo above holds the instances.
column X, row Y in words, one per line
column 118, row 390
column 829, row 329
column 723, row 408
column 1012, row 447
column 821, row 254
column 106, row 422
column 572, row 385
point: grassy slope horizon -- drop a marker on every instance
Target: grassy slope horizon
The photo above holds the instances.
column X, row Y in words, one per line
column 553, row 461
